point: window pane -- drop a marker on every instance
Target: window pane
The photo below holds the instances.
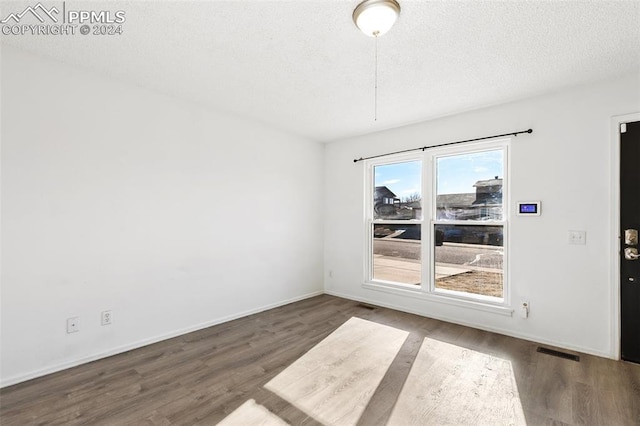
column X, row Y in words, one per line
column 397, row 253
column 397, row 191
column 469, row 186
column 469, row 259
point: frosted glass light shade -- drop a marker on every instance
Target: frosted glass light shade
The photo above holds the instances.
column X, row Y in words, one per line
column 376, row 17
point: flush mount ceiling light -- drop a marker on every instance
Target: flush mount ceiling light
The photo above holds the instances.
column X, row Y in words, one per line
column 376, row 17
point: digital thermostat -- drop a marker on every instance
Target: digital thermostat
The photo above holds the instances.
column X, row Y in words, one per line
column 528, row 208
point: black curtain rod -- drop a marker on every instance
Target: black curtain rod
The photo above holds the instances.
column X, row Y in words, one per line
column 444, row 144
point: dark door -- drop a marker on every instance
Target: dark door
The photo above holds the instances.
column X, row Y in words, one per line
column 630, row 222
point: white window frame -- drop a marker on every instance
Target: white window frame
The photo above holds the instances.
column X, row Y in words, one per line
column 427, row 288
column 370, row 221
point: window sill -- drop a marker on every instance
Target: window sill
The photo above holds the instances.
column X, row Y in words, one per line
column 417, row 293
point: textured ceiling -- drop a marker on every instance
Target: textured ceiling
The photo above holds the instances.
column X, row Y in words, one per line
column 303, row 67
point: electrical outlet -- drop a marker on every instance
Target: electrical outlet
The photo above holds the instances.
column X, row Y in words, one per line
column 73, row 325
column 524, row 309
column 578, row 237
column 106, row 318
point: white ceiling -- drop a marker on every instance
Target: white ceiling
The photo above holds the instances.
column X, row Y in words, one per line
column 302, row 66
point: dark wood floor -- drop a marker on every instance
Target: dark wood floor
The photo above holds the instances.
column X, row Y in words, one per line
column 201, row 377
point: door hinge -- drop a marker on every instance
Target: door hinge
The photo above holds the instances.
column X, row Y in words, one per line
column 623, row 128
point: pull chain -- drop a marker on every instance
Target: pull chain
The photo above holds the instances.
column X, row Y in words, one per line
column 375, row 89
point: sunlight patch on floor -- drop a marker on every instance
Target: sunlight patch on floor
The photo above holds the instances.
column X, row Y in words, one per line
column 452, row 385
column 335, row 380
column 254, row 414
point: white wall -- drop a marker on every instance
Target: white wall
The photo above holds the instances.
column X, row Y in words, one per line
column 565, row 163
column 172, row 216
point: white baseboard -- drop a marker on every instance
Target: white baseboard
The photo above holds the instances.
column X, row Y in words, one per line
column 83, row 360
column 510, row 333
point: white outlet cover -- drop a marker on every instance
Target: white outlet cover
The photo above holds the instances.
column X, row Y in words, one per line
column 578, row 237
column 73, row 325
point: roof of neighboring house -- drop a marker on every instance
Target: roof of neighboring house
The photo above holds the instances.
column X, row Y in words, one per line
column 455, row 200
column 383, row 191
column 488, row 182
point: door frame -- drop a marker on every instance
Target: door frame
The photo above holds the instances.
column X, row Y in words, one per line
column 616, row 121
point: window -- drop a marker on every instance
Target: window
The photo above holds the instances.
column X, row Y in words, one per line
column 469, row 223
column 395, row 225
column 456, row 249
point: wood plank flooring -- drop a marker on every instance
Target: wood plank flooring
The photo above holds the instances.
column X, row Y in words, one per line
column 202, row 377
